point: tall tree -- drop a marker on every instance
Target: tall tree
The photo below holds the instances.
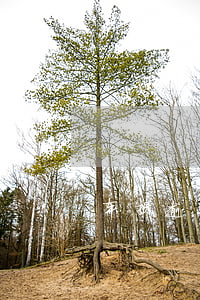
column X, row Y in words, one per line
column 88, row 69
column 6, row 211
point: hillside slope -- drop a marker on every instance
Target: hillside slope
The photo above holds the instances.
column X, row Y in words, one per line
column 60, row 280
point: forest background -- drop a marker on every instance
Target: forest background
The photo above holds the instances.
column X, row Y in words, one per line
column 43, row 214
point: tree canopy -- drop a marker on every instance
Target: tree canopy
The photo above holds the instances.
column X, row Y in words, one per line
column 88, row 65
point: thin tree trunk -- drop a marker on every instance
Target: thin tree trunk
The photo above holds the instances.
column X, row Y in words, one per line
column 44, row 223
column 194, row 206
column 131, row 183
column 179, row 205
column 175, row 196
column 113, row 198
column 159, row 215
column 119, row 213
column 181, row 171
column 9, row 241
column 186, row 203
column 30, row 239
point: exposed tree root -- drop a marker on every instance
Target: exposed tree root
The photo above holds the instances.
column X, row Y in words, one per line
column 128, row 261
column 178, row 289
column 172, row 273
column 106, row 246
column 91, row 254
column 127, row 251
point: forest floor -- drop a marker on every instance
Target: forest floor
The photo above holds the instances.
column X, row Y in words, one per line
column 61, row 280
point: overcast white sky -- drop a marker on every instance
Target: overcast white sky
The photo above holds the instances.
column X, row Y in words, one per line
column 25, row 39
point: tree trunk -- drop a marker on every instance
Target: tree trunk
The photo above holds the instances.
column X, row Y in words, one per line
column 118, row 209
column 186, row 203
column 114, row 200
column 30, row 239
column 99, row 184
column 9, row 242
column 194, row 205
column 131, row 183
column 161, row 223
column 176, row 196
column 181, row 172
column 44, row 223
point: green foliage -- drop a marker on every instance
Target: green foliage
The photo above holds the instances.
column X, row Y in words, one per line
column 88, row 68
column 6, row 211
column 52, row 160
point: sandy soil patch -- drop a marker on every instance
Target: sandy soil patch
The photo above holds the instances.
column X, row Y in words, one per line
column 60, row 280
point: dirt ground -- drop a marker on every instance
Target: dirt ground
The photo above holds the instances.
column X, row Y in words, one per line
column 60, row 280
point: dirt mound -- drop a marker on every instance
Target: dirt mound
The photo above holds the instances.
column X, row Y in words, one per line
column 61, row 280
